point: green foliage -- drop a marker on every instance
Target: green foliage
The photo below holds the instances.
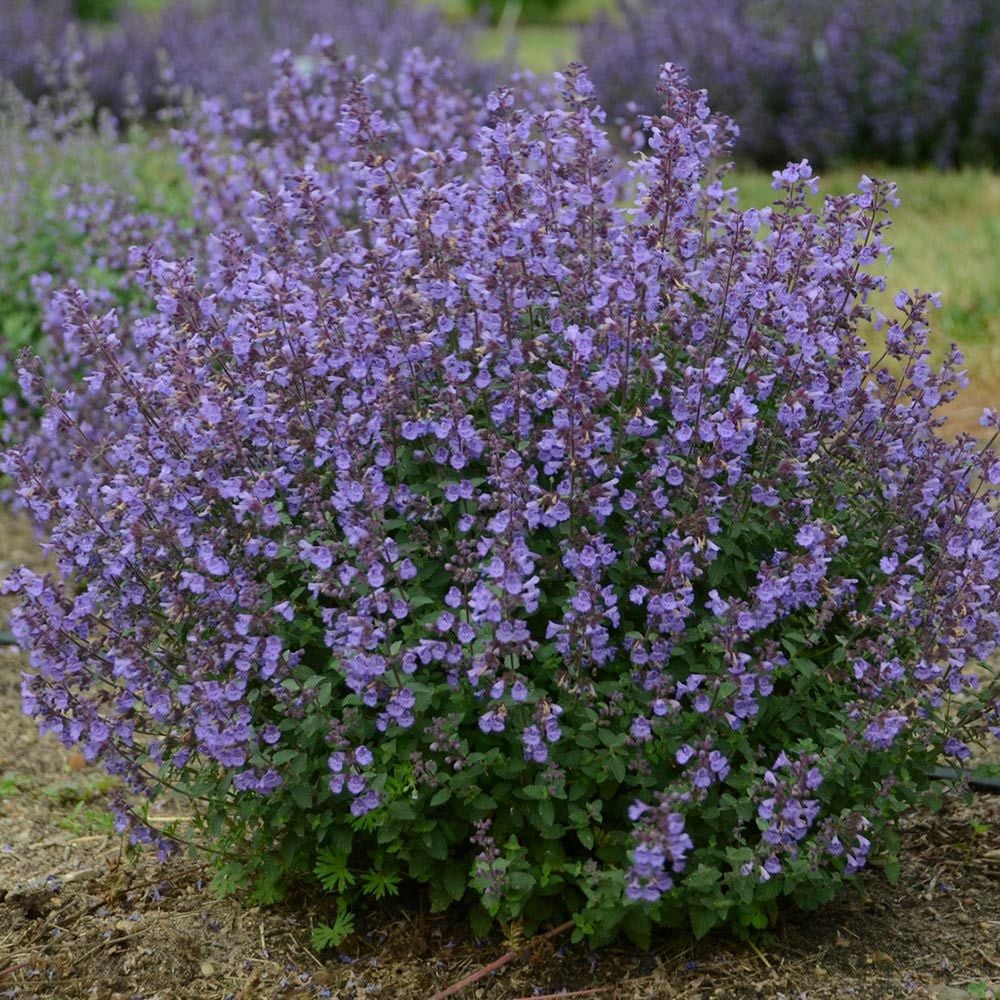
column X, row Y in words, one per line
column 528, row 11
column 332, row 871
column 13, row 784
column 335, row 934
column 80, row 791
column 83, row 820
column 96, row 10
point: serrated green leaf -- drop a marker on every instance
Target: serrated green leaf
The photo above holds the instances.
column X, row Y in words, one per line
column 340, row 839
column 637, row 926
column 421, row 866
column 440, row 797
column 455, row 881
column 437, row 846
column 616, row 767
column 535, row 792
column 547, row 812
column 440, row 900
column 401, row 809
column 521, row 881
column 480, row 922
column 381, row 884
column 302, row 795
column 703, row 919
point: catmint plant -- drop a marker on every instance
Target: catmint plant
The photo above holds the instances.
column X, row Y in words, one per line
column 75, row 195
column 488, row 515
column 894, row 81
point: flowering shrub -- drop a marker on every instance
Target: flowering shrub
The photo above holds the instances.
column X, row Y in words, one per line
column 890, row 80
column 102, row 209
column 233, row 156
column 461, row 527
column 221, row 50
column 375, row 31
column 73, row 198
column 46, row 48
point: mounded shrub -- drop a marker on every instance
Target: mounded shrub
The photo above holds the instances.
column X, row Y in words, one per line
column 47, row 49
column 893, row 81
column 480, row 534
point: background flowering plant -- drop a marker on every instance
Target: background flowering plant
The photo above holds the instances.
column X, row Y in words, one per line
column 140, row 63
column 454, row 525
column 893, row 81
column 75, row 195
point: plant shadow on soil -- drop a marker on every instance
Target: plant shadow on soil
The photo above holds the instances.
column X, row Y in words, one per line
column 82, row 916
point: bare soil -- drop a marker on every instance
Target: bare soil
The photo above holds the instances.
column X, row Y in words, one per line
column 83, row 916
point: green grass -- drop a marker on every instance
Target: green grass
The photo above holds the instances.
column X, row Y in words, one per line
column 542, row 49
column 12, row 785
column 571, row 12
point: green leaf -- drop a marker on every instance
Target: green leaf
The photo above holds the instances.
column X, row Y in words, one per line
column 547, row 812
column 340, row 838
column 756, row 919
column 381, row 884
column 440, row 797
column 480, row 922
column 637, row 926
column 522, row 881
column 616, row 768
column 703, row 919
column 327, row 936
column 302, row 795
column 437, row 846
column 454, row 881
column 609, row 739
column 401, row 809
column 332, row 871
column 703, row 880
column 421, row 865
column 440, row 900
column 536, row 792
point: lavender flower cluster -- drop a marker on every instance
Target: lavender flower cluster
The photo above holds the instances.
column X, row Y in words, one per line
column 443, row 502
column 895, row 81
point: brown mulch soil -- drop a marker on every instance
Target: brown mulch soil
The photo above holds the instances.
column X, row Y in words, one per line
column 83, row 916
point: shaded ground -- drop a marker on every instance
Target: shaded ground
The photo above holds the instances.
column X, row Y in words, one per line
column 81, row 916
